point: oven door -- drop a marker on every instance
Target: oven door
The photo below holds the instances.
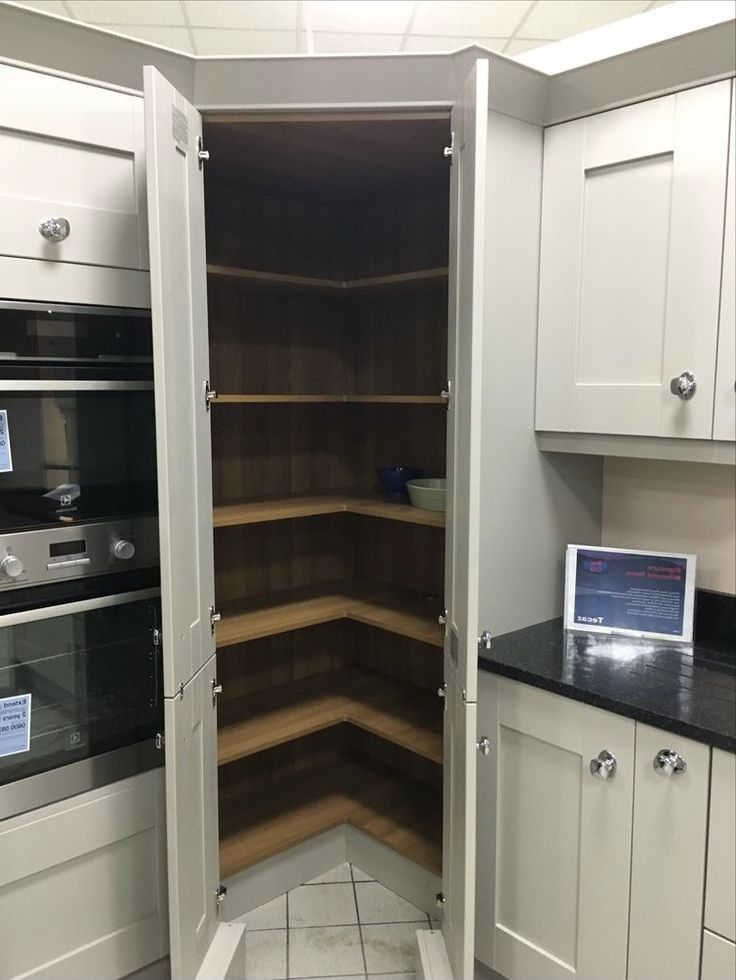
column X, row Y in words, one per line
column 81, row 698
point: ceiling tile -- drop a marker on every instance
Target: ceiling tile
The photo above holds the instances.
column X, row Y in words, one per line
column 520, row 44
column 210, row 41
column 358, row 16
column 554, row 19
column 487, row 18
column 170, row 37
column 326, row 42
column 433, row 42
column 48, row 6
column 270, row 15
column 128, row 11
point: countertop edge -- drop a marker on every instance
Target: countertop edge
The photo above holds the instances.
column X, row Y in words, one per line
column 635, row 712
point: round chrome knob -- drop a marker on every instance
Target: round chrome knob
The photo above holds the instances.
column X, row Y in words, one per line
column 604, row 766
column 684, row 386
column 484, row 745
column 124, row 550
column 54, row 229
column 11, row 566
column 668, row 762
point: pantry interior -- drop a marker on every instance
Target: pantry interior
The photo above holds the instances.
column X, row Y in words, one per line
column 327, row 279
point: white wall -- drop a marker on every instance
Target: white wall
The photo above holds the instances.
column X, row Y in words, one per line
column 689, row 507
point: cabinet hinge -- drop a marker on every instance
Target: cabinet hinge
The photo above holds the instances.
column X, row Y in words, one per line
column 157, row 637
column 202, row 154
column 215, row 618
column 440, row 900
column 210, row 395
column 180, row 692
column 216, row 690
column 220, row 896
column 159, row 741
column 484, row 640
column 447, row 393
column 449, row 150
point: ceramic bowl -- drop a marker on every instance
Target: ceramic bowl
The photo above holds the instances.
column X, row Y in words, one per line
column 427, row 494
column 394, row 478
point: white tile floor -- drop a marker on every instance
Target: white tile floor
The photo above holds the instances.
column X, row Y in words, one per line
column 341, row 925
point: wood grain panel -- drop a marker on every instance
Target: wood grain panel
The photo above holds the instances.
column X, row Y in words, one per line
column 347, row 502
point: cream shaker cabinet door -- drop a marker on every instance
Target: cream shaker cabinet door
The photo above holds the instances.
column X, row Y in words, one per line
column 668, row 856
column 724, row 413
column 720, row 881
column 632, row 235
column 719, row 958
column 564, row 789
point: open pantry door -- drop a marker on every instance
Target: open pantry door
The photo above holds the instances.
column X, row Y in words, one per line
column 469, row 122
column 199, row 947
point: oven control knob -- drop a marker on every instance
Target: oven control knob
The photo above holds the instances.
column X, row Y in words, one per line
column 122, row 549
column 11, row 566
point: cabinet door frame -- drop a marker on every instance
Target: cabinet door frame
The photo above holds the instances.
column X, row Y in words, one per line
column 724, row 409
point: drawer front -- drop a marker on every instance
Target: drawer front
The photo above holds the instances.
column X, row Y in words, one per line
column 65, row 282
column 720, row 882
column 719, row 958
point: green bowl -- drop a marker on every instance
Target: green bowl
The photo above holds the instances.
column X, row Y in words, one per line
column 427, row 494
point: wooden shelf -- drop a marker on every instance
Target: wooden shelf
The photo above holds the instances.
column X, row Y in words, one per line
column 256, row 277
column 398, row 811
column 397, row 712
column 395, row 610
column 288, row 508
column 235, row 399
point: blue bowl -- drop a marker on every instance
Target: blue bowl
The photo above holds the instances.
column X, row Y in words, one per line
column 394, row 478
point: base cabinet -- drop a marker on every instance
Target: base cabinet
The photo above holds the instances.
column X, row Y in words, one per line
column 592, row 836
column 82, row 884
column 719, row 958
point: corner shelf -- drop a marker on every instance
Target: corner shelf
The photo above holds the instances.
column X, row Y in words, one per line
column 390, row 709
column 387, row 608
column 312, row 505
column 366, row 284
column 238, row 399
column 400, row 812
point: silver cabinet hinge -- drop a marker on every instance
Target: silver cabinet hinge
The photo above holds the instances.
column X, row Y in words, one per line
column 216, row 690
column 202, row 154
column 180, row 692
column 442, row 691
column 215, row 618
column 449, row 150
column 447, row 393
column 440, row 900
column 484, row 640
column 157, row 637
column 210, row 395
column 220, row 896
column 159, row 741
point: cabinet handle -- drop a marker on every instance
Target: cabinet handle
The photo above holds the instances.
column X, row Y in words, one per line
column 604, row 765
column 54, row 229
column 668, row 762
column 684, row 386
column 484, row 745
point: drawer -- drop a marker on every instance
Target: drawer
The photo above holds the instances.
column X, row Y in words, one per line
column 62, row 282
column 720, row 881
column 719, row 958
column 92, row 188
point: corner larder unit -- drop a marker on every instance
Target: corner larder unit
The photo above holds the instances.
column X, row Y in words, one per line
column 327, row 290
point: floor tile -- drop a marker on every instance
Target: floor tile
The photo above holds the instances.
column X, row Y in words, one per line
column 391, row 948
column 359, row 875
column 392, row 976
column 322, row 905
column 272, row 915
column 330, row 952
column 340, row 873
column 376, row 903
column 265, row 955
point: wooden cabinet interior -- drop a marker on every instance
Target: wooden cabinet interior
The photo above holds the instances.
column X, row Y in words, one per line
column 327, row 281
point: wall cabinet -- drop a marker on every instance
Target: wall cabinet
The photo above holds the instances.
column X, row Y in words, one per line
column 630, row 280
column 591, row 842
column 724, row 413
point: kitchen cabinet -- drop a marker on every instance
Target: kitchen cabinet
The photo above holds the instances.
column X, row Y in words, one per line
column 724, row 414
column 592, row 850
column 630, row 278
column 719, row 958
column 720, row 883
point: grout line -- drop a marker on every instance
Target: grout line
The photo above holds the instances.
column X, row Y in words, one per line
column 357, row 916
column 408, row 28
column 288, row 930
column 515, row 32
column 188, row 23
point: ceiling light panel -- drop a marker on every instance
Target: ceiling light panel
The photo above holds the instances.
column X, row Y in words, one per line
column 164, row 12
column 358, row 16
column 269, row 15
column 483, row 18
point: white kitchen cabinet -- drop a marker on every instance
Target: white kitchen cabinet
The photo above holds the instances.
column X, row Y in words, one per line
column 719, row 958
column 668, row 855
column 720, row 880
column 554, row 852
column 83, row 884
column 631, row 249
column 724, row 413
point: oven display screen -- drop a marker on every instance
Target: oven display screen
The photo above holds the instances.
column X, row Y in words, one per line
column 62, row 548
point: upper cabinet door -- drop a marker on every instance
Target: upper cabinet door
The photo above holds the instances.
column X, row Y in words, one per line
column 724, row 414
column 199, row 947
column 632, row 235
column 469, row 123
column 181, row 369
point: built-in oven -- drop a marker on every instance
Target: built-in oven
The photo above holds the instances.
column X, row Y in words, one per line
column 77, row 429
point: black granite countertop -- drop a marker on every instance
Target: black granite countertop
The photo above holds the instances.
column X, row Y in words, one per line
column 688, row 690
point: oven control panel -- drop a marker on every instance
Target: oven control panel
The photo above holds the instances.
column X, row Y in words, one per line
column 48, row 555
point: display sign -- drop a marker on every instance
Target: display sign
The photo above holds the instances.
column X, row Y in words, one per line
column 6, row 457
column 636, row 593
column 15, row 724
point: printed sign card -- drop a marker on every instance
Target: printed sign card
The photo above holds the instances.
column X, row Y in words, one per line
column 6, row 458
column 15, row 724
column 635, row 593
